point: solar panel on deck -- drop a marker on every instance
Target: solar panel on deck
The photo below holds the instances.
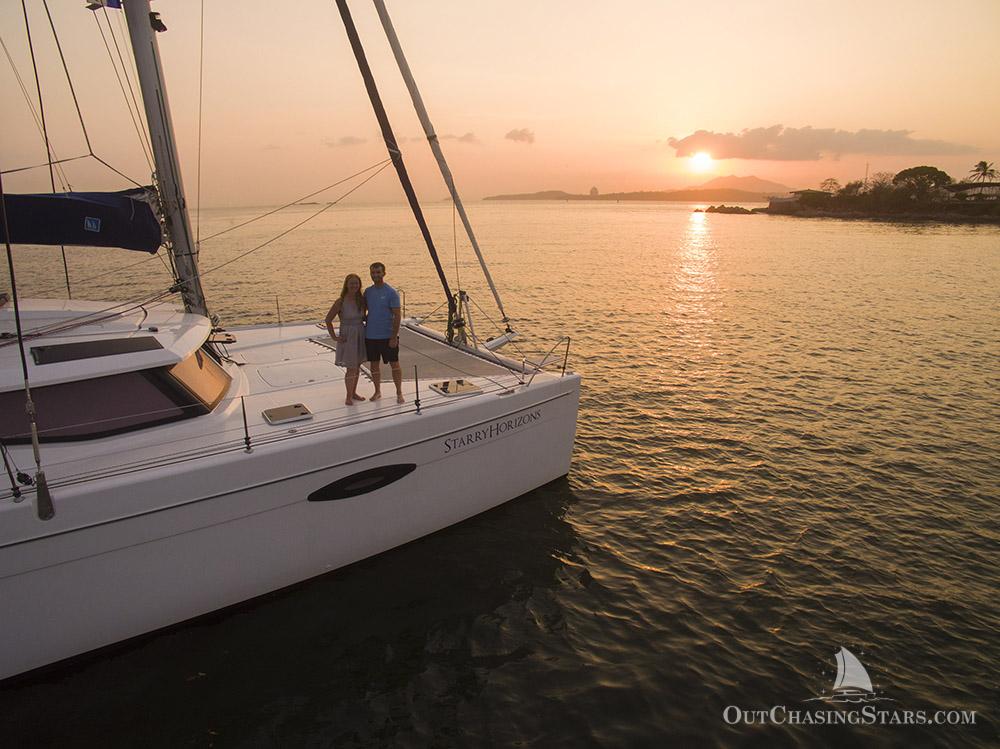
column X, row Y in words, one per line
column 63, row 352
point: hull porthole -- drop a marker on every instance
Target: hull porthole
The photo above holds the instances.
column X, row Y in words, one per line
column 362, row 482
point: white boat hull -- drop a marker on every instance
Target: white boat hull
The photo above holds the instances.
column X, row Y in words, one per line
column 224, row 529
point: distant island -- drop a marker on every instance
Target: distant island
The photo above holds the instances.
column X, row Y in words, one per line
column 732, row 188
column 920, row 193
column 689, row 196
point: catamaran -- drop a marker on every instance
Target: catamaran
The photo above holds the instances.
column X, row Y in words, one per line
column 158, row 467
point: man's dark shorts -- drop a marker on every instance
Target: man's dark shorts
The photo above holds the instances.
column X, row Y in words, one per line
column 379, row 347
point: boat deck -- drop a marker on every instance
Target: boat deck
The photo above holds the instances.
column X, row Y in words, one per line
column 433, row 358
column 287, row 366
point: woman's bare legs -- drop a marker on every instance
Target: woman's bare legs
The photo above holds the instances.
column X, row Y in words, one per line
column 351, row 383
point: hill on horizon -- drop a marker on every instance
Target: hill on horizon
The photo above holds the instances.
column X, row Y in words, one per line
column 684, row 196
column 749, row 189
column 747, row 184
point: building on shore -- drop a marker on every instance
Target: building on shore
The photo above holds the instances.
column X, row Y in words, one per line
column 974, row 190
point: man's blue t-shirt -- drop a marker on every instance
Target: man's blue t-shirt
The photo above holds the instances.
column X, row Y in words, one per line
column 381, row 300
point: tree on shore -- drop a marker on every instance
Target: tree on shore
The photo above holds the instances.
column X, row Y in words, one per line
column 880, row 183
column 920, row 182
column 983, row 172
column 913, row 194
column 852, row 188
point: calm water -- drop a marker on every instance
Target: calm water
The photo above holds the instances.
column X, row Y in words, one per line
column 788, row 443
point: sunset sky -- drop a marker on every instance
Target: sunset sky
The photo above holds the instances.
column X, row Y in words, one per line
column 527, row 96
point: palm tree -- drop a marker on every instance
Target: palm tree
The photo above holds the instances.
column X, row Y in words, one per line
column 983, row 171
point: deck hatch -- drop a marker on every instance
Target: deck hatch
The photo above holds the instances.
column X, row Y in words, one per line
column 64, row 352
column 456, row 387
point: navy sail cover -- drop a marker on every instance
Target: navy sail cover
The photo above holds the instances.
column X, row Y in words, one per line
column 91, row 219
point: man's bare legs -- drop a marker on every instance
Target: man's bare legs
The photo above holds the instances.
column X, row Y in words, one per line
column 397, row 378
column 376, row 379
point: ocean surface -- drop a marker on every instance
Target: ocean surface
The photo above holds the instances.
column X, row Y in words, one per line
column 788, row 443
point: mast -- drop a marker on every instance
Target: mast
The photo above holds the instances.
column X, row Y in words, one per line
column 141, row 28
column 425, row 121
column 395, row 155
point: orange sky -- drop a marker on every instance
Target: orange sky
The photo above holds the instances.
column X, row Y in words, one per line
column 555, row 94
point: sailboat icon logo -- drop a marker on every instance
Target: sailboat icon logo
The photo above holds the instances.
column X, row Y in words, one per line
column 852, row 684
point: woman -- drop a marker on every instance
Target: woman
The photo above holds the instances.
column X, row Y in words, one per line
column 351, row 341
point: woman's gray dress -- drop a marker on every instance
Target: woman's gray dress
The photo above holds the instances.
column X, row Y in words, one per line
column 351, row 353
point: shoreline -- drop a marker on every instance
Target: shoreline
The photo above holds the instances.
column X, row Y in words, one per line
column 941, row 218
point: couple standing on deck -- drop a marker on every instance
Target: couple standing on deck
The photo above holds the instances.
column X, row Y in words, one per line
column 369, row 331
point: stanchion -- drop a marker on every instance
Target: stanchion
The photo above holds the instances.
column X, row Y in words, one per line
column 246, row 429
column 416, row 384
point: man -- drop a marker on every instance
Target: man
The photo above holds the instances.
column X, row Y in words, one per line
column 382, row 330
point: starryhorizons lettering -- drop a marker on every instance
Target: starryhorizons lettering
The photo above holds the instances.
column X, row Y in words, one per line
column 868, row 715
column 495, row 429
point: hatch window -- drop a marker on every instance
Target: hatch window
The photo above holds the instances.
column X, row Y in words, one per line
column 64, row 352
column 104, row 406
column 202, row 377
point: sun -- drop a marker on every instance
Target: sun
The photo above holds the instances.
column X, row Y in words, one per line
column 701, row 162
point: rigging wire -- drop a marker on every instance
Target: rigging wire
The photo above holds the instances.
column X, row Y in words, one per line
column 431, row 313
column 69, row 79
column 75, row 158
column 327, row 207
column 512, row 342
column 114, row 66
column 43, row 499
column 454, row 239
column 382, row 164
column 76, row 101
column 154, row 256
column 166, row 267
column 496, row 325
column 55, row 161
column 45, row 134
column 136, row 303
column 90, row 318
column 201, row 91
column 129, row 73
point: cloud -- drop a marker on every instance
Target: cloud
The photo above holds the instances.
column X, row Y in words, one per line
column 467, row 138
column 521, row 136
column 347, row 140
column 778, row 143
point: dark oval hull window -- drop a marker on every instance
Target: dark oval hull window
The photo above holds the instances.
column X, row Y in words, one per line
column 362, row 482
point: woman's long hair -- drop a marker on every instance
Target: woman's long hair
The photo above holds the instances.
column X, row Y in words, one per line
column 359, row 297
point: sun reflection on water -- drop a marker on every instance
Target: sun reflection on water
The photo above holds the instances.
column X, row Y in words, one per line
column 695, row 283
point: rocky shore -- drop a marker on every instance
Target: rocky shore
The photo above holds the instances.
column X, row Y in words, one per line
column 942, row 216
column 939, row 216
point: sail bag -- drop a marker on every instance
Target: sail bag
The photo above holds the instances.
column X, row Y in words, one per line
column 90, row 219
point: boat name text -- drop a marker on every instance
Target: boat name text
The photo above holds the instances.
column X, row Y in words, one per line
column 495, row 429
